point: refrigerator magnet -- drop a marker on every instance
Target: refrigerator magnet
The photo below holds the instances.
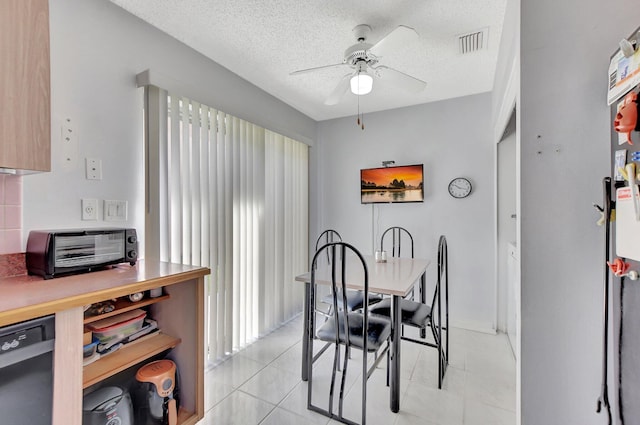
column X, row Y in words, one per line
column 619, row 163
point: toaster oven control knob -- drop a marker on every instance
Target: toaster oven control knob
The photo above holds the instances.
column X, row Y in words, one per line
column 132, row 239
column 132, row 254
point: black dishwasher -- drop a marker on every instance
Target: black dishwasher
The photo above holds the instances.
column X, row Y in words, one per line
column 26, row 372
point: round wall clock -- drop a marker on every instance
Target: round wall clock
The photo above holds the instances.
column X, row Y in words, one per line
column 460, row 187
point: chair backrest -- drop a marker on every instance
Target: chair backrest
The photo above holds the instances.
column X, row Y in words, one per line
column 400, row 237
column 442, row 284
column 346, row 264
column 326, row 237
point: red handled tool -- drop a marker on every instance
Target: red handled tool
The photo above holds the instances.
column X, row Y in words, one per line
column 627, row 117
column 619, row 267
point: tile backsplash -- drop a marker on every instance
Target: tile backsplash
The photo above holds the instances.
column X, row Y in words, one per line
column 10, row 214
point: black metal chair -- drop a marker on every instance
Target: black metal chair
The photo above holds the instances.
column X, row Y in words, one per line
column 354, row 298
column 423, row 316
column 397, row 235
column 400, row 237
column 345, row 328
column 326, row 237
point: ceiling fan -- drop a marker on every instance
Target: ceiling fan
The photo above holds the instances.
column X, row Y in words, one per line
column 363, row 59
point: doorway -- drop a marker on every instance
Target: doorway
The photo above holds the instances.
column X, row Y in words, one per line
column 508, row 263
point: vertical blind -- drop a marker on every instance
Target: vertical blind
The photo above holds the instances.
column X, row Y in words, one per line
column 233, row 197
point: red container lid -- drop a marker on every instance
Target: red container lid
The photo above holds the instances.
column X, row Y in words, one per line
column 117, row 321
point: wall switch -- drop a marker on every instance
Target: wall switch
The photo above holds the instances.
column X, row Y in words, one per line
column 94, row 169
column 89, row 209
column 115, row 210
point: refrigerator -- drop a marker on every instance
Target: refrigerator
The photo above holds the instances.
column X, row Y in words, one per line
column 620, row 392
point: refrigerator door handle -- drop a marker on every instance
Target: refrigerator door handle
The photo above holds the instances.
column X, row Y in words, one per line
column 603, row 400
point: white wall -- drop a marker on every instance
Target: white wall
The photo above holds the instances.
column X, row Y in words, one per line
column 565, row 50
column 504, row 88
column 96, row 51
column 452, row 138
column 505, row 102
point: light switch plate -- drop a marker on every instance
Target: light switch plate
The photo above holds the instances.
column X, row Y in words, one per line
column 115, row 210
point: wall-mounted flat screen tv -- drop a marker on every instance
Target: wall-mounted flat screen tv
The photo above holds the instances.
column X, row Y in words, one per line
column 392, row 184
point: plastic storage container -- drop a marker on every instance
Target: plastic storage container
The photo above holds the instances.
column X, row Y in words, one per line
column 90, row 349
column 119, row 326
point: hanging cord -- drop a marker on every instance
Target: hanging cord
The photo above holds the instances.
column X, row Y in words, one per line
column 378, row 225
column 620, row 336
column 359, row 121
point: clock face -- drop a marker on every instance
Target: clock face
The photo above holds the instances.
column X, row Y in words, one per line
column 459, row 187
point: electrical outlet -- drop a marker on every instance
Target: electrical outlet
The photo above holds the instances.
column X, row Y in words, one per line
column 89, row 209
column 94, row 169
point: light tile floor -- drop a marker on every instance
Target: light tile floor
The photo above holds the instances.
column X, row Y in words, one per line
column 261, row 384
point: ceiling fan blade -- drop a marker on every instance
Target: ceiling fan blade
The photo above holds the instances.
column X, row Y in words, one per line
column 304, row 71
column 400, row 79
column 337, row 93
column 394, row 40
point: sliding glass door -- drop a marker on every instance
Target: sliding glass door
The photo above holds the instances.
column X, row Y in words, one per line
column 231, row 196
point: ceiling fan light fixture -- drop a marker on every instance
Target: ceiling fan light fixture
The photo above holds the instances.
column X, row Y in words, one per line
column 361, row 83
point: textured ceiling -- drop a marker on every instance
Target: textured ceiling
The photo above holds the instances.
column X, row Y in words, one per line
column 264, row 41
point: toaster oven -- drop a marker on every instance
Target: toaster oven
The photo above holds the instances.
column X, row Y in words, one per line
column 52, row 253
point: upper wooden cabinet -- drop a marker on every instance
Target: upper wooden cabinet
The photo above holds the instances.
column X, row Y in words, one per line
column 25, row 104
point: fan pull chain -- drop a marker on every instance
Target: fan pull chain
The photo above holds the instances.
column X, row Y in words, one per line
column 359, row 122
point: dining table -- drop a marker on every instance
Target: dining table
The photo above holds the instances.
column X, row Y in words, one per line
column 396, row 277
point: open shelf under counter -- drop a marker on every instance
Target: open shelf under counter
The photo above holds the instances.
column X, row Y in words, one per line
column 127, row 356
column 179, row 314
column 123, row 305
column 186, row 417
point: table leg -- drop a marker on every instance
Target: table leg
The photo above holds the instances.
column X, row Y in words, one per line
column 305, row 330
column 396, row 324
column 423, row 284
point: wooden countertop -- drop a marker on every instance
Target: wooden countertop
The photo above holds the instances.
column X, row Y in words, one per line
column 27, row 297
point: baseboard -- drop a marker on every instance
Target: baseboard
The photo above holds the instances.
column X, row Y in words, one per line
column 473, row 326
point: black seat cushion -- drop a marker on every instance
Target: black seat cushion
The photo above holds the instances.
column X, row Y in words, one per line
column 413, row 313
column 355, row 300
column 378, row 332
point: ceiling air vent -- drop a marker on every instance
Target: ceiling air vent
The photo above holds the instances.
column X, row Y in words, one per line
column 473, row 41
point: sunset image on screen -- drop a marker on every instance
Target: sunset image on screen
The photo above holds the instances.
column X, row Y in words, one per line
column 392, row 184
column 411, row 175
